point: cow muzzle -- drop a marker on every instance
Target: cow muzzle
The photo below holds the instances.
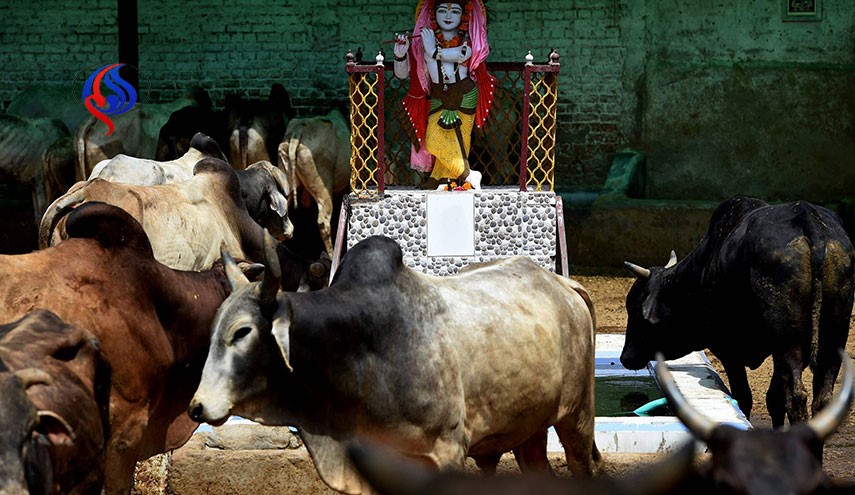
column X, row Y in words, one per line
column 199, row 413
column 632, row 360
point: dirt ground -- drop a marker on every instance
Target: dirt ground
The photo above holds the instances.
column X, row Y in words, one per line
column 609, row 293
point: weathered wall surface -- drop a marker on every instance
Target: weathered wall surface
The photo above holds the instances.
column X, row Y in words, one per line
column 737, row 101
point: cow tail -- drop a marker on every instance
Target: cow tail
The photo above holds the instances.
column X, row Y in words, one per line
column 818, row 258
column 82, row 132
column 583, row 293
column 243, row 137
column 816, row 311
column 59, row 209
column 293, row 144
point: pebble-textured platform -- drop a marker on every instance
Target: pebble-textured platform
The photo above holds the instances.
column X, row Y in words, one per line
column 507, row 223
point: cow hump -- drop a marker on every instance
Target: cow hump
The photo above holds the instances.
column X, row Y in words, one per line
column 375, row 260
column 110, row 225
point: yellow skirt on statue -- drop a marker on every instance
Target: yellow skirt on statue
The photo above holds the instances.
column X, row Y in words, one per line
column 442, row 144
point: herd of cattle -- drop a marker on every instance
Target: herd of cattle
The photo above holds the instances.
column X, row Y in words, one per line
column 48, row 142
column 165, row 293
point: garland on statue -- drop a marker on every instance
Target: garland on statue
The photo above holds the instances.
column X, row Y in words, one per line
column 462, row 30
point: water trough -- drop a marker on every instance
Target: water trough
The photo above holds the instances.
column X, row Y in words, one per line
column 696, row 379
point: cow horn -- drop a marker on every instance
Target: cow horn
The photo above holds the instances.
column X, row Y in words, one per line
column 672, row 260
column 824, row 422
column 233, row 272
column 640, row 273
column 698, row 424
column 272, row 272
column 33, row 376
column 60, row 207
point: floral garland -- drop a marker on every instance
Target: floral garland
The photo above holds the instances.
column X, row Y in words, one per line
column 463, row 28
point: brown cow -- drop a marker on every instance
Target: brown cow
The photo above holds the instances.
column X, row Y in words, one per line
column 153, row 323
column 68, row 384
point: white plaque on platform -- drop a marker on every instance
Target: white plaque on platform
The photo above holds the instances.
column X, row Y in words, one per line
column 450, row 224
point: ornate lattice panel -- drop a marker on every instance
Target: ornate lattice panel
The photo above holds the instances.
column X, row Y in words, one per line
column 543, row 96
column 365, row 85
column 497, row 149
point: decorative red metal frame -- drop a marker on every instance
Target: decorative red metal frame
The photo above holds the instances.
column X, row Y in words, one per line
column 527, row 71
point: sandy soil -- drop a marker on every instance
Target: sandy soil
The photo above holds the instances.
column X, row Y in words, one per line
column 609, row 294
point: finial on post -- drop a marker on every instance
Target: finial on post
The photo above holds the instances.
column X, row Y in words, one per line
column 379, row 58
column 529, row 58
column 349, row 58
column 553, row 57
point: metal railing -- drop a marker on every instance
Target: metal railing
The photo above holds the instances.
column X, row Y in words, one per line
column 516, row 146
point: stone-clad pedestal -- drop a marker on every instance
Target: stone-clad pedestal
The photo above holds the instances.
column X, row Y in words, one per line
column 505, row 222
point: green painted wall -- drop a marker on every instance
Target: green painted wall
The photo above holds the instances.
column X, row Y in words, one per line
column 723, row 96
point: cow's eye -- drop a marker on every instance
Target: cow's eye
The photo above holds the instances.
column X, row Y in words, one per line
column 240, row 333
column 67, row 353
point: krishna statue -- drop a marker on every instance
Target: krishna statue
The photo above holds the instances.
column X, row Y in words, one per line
column 450, row 89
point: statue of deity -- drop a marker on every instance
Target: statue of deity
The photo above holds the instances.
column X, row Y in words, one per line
column 450, row 89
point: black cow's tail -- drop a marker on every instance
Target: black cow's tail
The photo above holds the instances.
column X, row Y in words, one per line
column 832, row 262
column 816, row 309
column 817, row 248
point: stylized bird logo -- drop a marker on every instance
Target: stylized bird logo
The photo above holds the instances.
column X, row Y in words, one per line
column 123, row 96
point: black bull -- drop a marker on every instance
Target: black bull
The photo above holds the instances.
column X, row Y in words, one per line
column 764, row 280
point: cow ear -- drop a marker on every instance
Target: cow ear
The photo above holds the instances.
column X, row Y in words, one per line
column 278, row 202
column 252, row 271
column 648, row 310
column 281, row 180
column 281, row 330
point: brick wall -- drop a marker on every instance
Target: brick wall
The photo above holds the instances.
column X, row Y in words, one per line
column 245, row 46
column 53, row 41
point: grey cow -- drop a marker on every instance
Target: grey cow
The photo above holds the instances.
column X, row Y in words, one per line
column 478, row 364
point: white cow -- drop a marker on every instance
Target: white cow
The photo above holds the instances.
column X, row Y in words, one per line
column 478, row 364
column 147, row 172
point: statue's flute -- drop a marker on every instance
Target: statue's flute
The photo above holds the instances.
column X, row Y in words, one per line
column 409, row 37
